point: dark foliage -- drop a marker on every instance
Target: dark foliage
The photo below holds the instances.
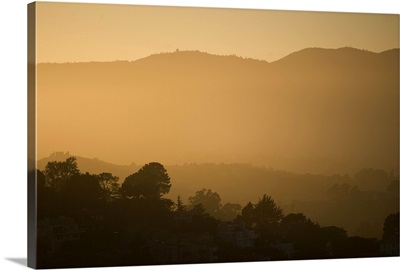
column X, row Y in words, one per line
column 89, row 220
column 151, row 181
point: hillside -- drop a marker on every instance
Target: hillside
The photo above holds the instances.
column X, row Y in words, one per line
column 236, row 182
column 91, row 165
column 315, row 111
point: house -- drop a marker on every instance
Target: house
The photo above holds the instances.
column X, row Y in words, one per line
column 286, row 248
column 237, row 234
column 389, row 247
column 55, row 232
column 182, row 217
column 183, row 248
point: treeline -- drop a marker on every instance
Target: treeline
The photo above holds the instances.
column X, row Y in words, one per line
column 91, row 220
column 359, row 203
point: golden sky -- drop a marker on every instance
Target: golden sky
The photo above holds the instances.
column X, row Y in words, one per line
column 70, row 32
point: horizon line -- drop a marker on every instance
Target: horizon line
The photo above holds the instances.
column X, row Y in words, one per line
column 212, row 54
column 189, row 163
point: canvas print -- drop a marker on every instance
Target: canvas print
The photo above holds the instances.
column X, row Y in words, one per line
column 180, row 135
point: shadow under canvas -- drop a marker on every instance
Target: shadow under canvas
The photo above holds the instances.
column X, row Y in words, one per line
column 20, row 261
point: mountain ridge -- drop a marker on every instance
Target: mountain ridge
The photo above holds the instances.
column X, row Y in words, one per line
column 183, row 52
column 228, row 109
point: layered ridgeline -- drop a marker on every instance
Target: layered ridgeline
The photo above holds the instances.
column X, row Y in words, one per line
column 315, row 111
column 357, row 203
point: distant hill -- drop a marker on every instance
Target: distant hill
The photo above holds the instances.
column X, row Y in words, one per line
column 93, row 165
column 315, row 111
column 235, row 182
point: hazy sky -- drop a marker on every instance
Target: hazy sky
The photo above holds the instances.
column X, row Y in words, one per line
column 69, row 32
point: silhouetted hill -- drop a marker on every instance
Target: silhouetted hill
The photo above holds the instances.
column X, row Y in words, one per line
column 234, row 182
column 314, row 111
column 338, row 61
column 240, row 182
column 93, row 165
column 329, row 56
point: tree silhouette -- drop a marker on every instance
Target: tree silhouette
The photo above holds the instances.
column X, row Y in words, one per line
column 83, row 190
column 210, row 201
column 109, row 185
column 179, row 205
column 201, row 221
column 126, row 230
column 151, row 182
column 304, row 234
column 45, row 195
column 266, row 211
column 229, row 211
column 247, row 215
column 391, row 227
column 334, row 234
column 335, row 239
column 59, row 172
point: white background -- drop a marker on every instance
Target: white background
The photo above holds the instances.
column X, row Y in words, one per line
column 13, row 139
